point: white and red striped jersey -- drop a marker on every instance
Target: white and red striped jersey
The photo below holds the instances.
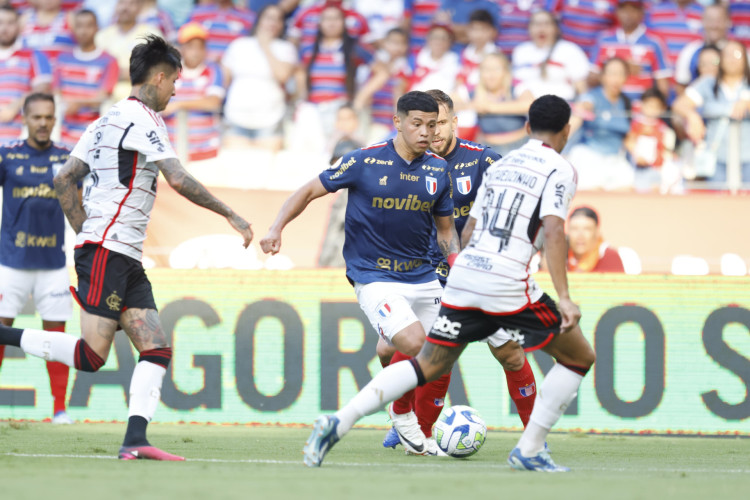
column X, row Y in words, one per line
column 121, row 149
column 517, row 192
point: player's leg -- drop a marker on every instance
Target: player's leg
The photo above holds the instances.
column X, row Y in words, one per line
column 58, row 379
column 15, row 288
column 519, row 376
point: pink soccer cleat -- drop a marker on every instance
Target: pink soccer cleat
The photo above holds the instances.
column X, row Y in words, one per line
column 147, row 452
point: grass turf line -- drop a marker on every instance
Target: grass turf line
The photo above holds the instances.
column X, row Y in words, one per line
column 76, row 462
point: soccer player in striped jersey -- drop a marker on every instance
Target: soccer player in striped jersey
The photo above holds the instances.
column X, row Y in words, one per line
column 397, row 191
column 521, row 206
column 22, row 71
column 121, row 155
column 84, row 78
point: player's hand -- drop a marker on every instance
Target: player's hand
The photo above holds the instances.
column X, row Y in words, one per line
column 243, row 227
column 570, row 315
column 271, row 243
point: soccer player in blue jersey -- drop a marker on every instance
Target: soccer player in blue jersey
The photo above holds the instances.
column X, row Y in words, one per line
column 397, row 191
column 467, row 163
column 32, row 256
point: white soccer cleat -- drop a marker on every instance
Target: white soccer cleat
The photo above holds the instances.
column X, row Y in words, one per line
column 62, row 418
column 409, row 432
column 432, row 449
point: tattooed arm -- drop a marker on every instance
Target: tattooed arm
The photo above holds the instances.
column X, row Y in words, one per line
column 447, row 237
column 185, row 184
column 66, row 187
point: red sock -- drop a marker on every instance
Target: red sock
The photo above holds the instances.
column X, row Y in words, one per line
column 58, row 379
column 429, row 402
column 522, row 389
column 405, row 403
column 2, row 354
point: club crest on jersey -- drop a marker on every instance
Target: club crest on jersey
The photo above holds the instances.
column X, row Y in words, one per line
column 384, row 310
column 464, row 184
column 527, row 390
column 431, row 184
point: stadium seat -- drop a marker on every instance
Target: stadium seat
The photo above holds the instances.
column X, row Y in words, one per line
column 688, row 265
column 631, row 261
column 733, row 265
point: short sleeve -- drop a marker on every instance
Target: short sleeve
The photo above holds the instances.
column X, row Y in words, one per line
column 558, row 192
column 150, row 139
column 82, row 147
column 41, row 70
column 444, row 204
column 489, row 158
column 576, row 62
column 285, row 51
column 342, row 174
column 2, row 169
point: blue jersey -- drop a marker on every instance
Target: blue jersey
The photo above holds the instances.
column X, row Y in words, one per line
column 466, row 164
column 389, row 214
column 31, row 236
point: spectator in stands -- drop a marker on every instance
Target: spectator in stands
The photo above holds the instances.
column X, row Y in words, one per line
column 304, row 27
column 84, row 78
column 287, row 6
column 515, row 16
column 583, row 21
column 501, row 112
column 481, row 35
column 677, row 23
column 46, row 27
column 739, row 13
column 121, row 37
column 650, row 143
column 200, row 92
column 382, row 16
column 420, row 16
column 587, row 250
column 644, row 52
column 258, row 68
column 389, row 77
column 104, row 10
column 22, row 71
column 224, row 23
column 709, row 58
column 457, row 15
column 710, row 104
column 548, row 64
column 151, row 14
column 436, row 66
column 330, row 65
column 716, row 26
column 603, row 114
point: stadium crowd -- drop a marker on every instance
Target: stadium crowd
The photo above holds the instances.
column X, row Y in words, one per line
column 660, row 89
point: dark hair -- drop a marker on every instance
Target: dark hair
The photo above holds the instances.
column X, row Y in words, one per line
column 416, row 100
column 348, row 48
column 397, row 31
column 154, row 52
column 262, row 11
column 617, row 59
column 746, row 70
column 556, row 22
column 35, row 97
column 482, row 16
column 586, row 212
column 86, row 12
column 9, row 8
column 654, row 93
column 442, row 98
column 549, row 113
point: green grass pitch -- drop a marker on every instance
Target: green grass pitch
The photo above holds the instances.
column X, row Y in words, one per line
column 38, row 460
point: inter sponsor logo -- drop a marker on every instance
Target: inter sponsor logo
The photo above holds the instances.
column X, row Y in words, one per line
column 375, row 161
column 411, row 202
column 409, row 177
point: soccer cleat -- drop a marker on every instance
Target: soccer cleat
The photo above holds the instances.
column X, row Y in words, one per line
column 321, row 440
column 409, row 432
column 61, row 418
column 542, row 462
column 391, row 439
column 147, row 452
column 432, row 449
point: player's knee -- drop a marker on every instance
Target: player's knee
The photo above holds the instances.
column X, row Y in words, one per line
column 86, row 359
column 385, row 353
column 510, row 356
column 159, row 356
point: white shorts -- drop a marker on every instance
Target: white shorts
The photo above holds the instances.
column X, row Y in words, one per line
column 392, row 306
column 50, row 289
column 499, row 338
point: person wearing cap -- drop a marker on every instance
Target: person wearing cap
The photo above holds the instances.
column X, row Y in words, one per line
column 200, row 92
column 645, row 53
column 83, row 91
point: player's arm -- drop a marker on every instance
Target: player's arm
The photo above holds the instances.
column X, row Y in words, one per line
column 292, row 207
column 66, row 186
column 187, row 185
column 468, row 229
column 556, row 250
column 447, row 237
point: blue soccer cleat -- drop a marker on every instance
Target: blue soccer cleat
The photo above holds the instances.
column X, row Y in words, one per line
column 542, row 462
column 391, row 439
column 321, row 440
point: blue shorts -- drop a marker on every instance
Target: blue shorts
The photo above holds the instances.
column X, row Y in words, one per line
column 255, row 133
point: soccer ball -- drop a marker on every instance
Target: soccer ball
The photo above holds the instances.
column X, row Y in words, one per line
column 460, row 431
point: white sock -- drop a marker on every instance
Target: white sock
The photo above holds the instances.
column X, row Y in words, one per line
column 145, row 389
column 52, row 346
column 559, row 388
column 386, row 386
